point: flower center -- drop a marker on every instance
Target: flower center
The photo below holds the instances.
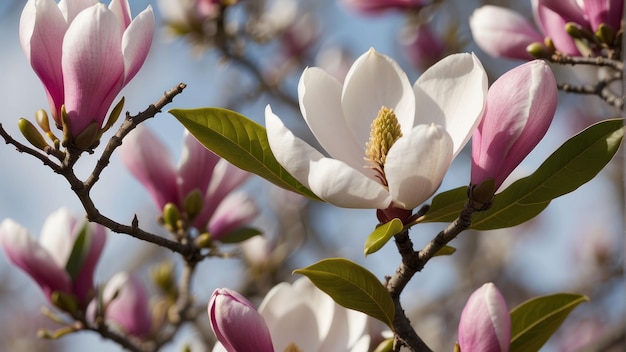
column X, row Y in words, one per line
column 385, row 131
column 292, row 347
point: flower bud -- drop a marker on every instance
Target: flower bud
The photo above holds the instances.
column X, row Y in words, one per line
column 237, row 324
column 171, row 217
column 485, row 323
column 520, row 107
column 30, row 132
column 126, row 302
column 193, row 204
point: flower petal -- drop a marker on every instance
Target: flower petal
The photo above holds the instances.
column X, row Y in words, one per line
column 151, row 163
column 233, row 212
column 375, row 80
column 330, row 179
column 26, row 253
column 452, row 93
column 42, row 27
column 416, row 164
column 83, row 283
column 126, row 300
column 58, row 235
column 320, row 102
column 93, row 66
column 195, row 167
column 136, row 42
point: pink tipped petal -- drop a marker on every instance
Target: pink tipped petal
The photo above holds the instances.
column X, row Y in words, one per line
column 320, row 102
column 485, row 323
column 93, row 66
column 416, row 164
column 121, row 9
column 42, row 27
column 520, row 108
column 553, row 26
column 375, row 80
column 26, row 253
column 71, row 8
column 237, row 324
column 127, row 304
column 136, row 43
column 452, row 94
column 569, row 10
column 151, row 163
column 196, row 164
column 83, row 283
column 501, row 32
column 233, row 212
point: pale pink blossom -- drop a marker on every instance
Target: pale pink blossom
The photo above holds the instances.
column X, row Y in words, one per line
column 46, row 260
column 84, row 53
column 485, row 323
column 199, row 170
column 377, row 6
column 520, row 107
column 126, row 302
column 237, row 324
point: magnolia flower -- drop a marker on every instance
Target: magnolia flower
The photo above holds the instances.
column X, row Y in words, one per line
column 126, row 302
column 297, row 315
column 501, row 32
column 201, row 178
column 520, row 107
column 84, row 53
column 48, row 262
column 407, row 135
column 552, row 24
column 485, row 322
column 377, row 6
column 237, row 324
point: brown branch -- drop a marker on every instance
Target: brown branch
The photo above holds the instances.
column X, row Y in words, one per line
column 25, row 149
column 591, row 61
column 600, row 89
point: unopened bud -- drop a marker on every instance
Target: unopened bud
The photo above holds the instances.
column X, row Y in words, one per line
column 41, row 116
column 204, row 240
column 537, row 50
column 88, row 138
column 65, row 123
column 574, row 30
column 193, row 203
column 605, row 33
column 171, row 217
column 30, row 132
column 164, row 277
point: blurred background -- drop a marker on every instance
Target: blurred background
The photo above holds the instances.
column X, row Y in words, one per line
column 575, row 245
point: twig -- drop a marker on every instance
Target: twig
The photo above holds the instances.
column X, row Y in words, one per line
column 592, row 61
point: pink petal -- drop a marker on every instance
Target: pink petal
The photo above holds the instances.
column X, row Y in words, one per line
column 553, row 26
column 136, row 43
column 83, row 283
column 196, row 167
column 26, row 253
column 233, row 212
column 151, row 163
column 42, row 27
column 237, row 324
column 129, row 309
column 93, row 66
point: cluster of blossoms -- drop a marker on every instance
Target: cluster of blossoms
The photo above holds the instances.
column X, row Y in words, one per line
column 576, row 28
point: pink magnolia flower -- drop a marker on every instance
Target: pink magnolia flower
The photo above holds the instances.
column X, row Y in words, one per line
column 47, row 261
column 485, row 322
column 237, row 324
column 84, row 53
column 199, row 171
column 520, row 108
column 552, row 24
column 501, row 32
column 377, row 6
column 126, row 302
column 604, row 11
column 423, row 46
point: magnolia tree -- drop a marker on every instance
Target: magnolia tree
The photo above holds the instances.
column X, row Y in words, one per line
column 378, row 141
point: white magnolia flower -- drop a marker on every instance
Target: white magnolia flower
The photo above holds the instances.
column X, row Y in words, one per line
column 389, row 144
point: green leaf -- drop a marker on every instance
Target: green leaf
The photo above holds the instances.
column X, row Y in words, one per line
column 573, row 164
column 381, row 235
column 239, row 235
column 241, row 141
column 352, row 286
column 80, row 251
column 534, row 321
column 445, row 250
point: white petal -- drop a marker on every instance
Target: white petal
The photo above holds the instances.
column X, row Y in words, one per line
column 416, row 164
column 58, row 235
column 330, row 179
column 320, row 102
column 374, row 81
column 452, row 93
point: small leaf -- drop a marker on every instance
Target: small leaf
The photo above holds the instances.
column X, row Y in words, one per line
column 534, row 321
column 381, row 235
column 80, row 251
column 241, row 141
column 445, row 250
column 239, row 235
column 573, row 164
column 352, row 286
